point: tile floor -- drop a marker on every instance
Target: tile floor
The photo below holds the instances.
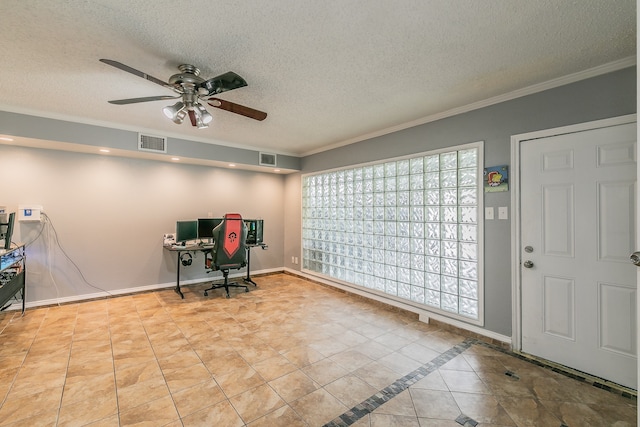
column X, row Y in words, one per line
column 288, row 353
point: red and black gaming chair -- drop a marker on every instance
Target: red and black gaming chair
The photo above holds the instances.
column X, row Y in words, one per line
column 229, row 251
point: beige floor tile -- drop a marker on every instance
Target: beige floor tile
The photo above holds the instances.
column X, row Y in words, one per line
column 18, row 408
column 318, row 408
column 43, row 419
column 377, row 375
column 158, row 412
column 256, row 353
column 431, row 422
column 464, row 381
column 434, row 404
column 399, row 363
column 302, row 356
column 179, row 360
column 224, row 364
column 91, row 387
column 402, row 404
column 386, row 420
column 419, row 352
column 274, row 367
column 483, row 408
column 141, row 393
column 135, row 374
column 112, row 421
column 281, row 417
column 154, row 354
column 329, row 346
column 373, row 349
column 351, row 359
column 256, row 402
column 526, row 411
column 325, row 371
column 433, row 381
column 350, row 390
column 197, row 397
column 294, row 385
column 181, row 378
column 239, row 380
column 220, row 414
column 88, row 411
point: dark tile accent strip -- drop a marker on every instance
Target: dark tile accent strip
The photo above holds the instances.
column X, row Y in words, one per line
column 397, row 387
column 465, row 421
column 512, row 375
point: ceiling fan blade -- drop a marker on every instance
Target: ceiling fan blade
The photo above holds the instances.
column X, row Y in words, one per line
column 223, row 83
column 135, row 72
column 192, row 117
column 237, row 108
column 146, row 99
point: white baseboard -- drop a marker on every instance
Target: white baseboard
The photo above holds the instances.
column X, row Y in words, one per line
column 145, row 288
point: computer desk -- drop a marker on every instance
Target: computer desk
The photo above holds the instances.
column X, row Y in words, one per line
column 249, row 246
column 205, row 247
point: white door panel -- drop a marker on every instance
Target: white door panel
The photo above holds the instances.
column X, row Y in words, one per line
column 578, row 213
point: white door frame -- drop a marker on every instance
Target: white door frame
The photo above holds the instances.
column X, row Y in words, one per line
column 516, row 140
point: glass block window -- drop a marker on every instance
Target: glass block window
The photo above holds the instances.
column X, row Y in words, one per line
column 407, row 228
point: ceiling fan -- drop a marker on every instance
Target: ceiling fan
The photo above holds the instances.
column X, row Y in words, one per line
column 192, row 91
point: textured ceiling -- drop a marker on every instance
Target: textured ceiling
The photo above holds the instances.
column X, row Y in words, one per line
column 326, row 72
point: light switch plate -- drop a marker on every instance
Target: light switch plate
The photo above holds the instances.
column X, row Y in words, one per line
column 488, row 213
column 503, row 212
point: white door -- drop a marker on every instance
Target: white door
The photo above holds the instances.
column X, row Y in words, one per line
column 578, row 228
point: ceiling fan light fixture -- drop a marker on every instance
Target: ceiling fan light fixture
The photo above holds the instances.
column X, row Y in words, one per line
column 205, row 116
column 171, row 111
column 180, row 116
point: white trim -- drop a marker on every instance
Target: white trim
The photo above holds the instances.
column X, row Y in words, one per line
column 423, row 315
column 529, row 90
column 516, row 141
column 16, row 306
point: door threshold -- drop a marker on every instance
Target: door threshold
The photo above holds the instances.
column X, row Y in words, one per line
column 580, row 376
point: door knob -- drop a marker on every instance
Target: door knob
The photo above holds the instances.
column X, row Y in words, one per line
column 529, row 264
column 635, row 258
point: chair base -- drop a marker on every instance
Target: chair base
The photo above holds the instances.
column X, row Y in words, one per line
column 226, row 285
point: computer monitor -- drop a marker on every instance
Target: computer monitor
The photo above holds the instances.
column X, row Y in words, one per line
column 206, row 226
column 6, row 228
column 186, row 230
column 255, row 229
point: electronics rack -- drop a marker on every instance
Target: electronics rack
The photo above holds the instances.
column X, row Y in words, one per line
column 12, row 275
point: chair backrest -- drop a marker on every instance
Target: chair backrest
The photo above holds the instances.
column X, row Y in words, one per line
column 229, row 249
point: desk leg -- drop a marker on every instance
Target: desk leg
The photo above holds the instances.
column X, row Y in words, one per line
column 248, row 278
column 177, row 289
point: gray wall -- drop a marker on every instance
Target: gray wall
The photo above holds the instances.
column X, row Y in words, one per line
column 609, row 95
column 109, row 215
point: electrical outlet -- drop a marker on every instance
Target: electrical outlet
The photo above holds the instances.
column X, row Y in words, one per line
column 293, row 260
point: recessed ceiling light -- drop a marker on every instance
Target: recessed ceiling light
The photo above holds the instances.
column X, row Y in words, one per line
column 4, row 138
column 232, row 165
column 104, row 150
column 175, row 159
column 276, row 170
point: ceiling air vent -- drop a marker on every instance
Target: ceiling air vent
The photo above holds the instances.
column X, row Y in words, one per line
column 267, row 159
column 155, row 144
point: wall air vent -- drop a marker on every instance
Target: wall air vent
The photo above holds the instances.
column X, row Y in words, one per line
column 267, row 159
column 155, row 144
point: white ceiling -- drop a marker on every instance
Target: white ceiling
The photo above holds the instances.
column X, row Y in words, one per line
column 327, row 72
